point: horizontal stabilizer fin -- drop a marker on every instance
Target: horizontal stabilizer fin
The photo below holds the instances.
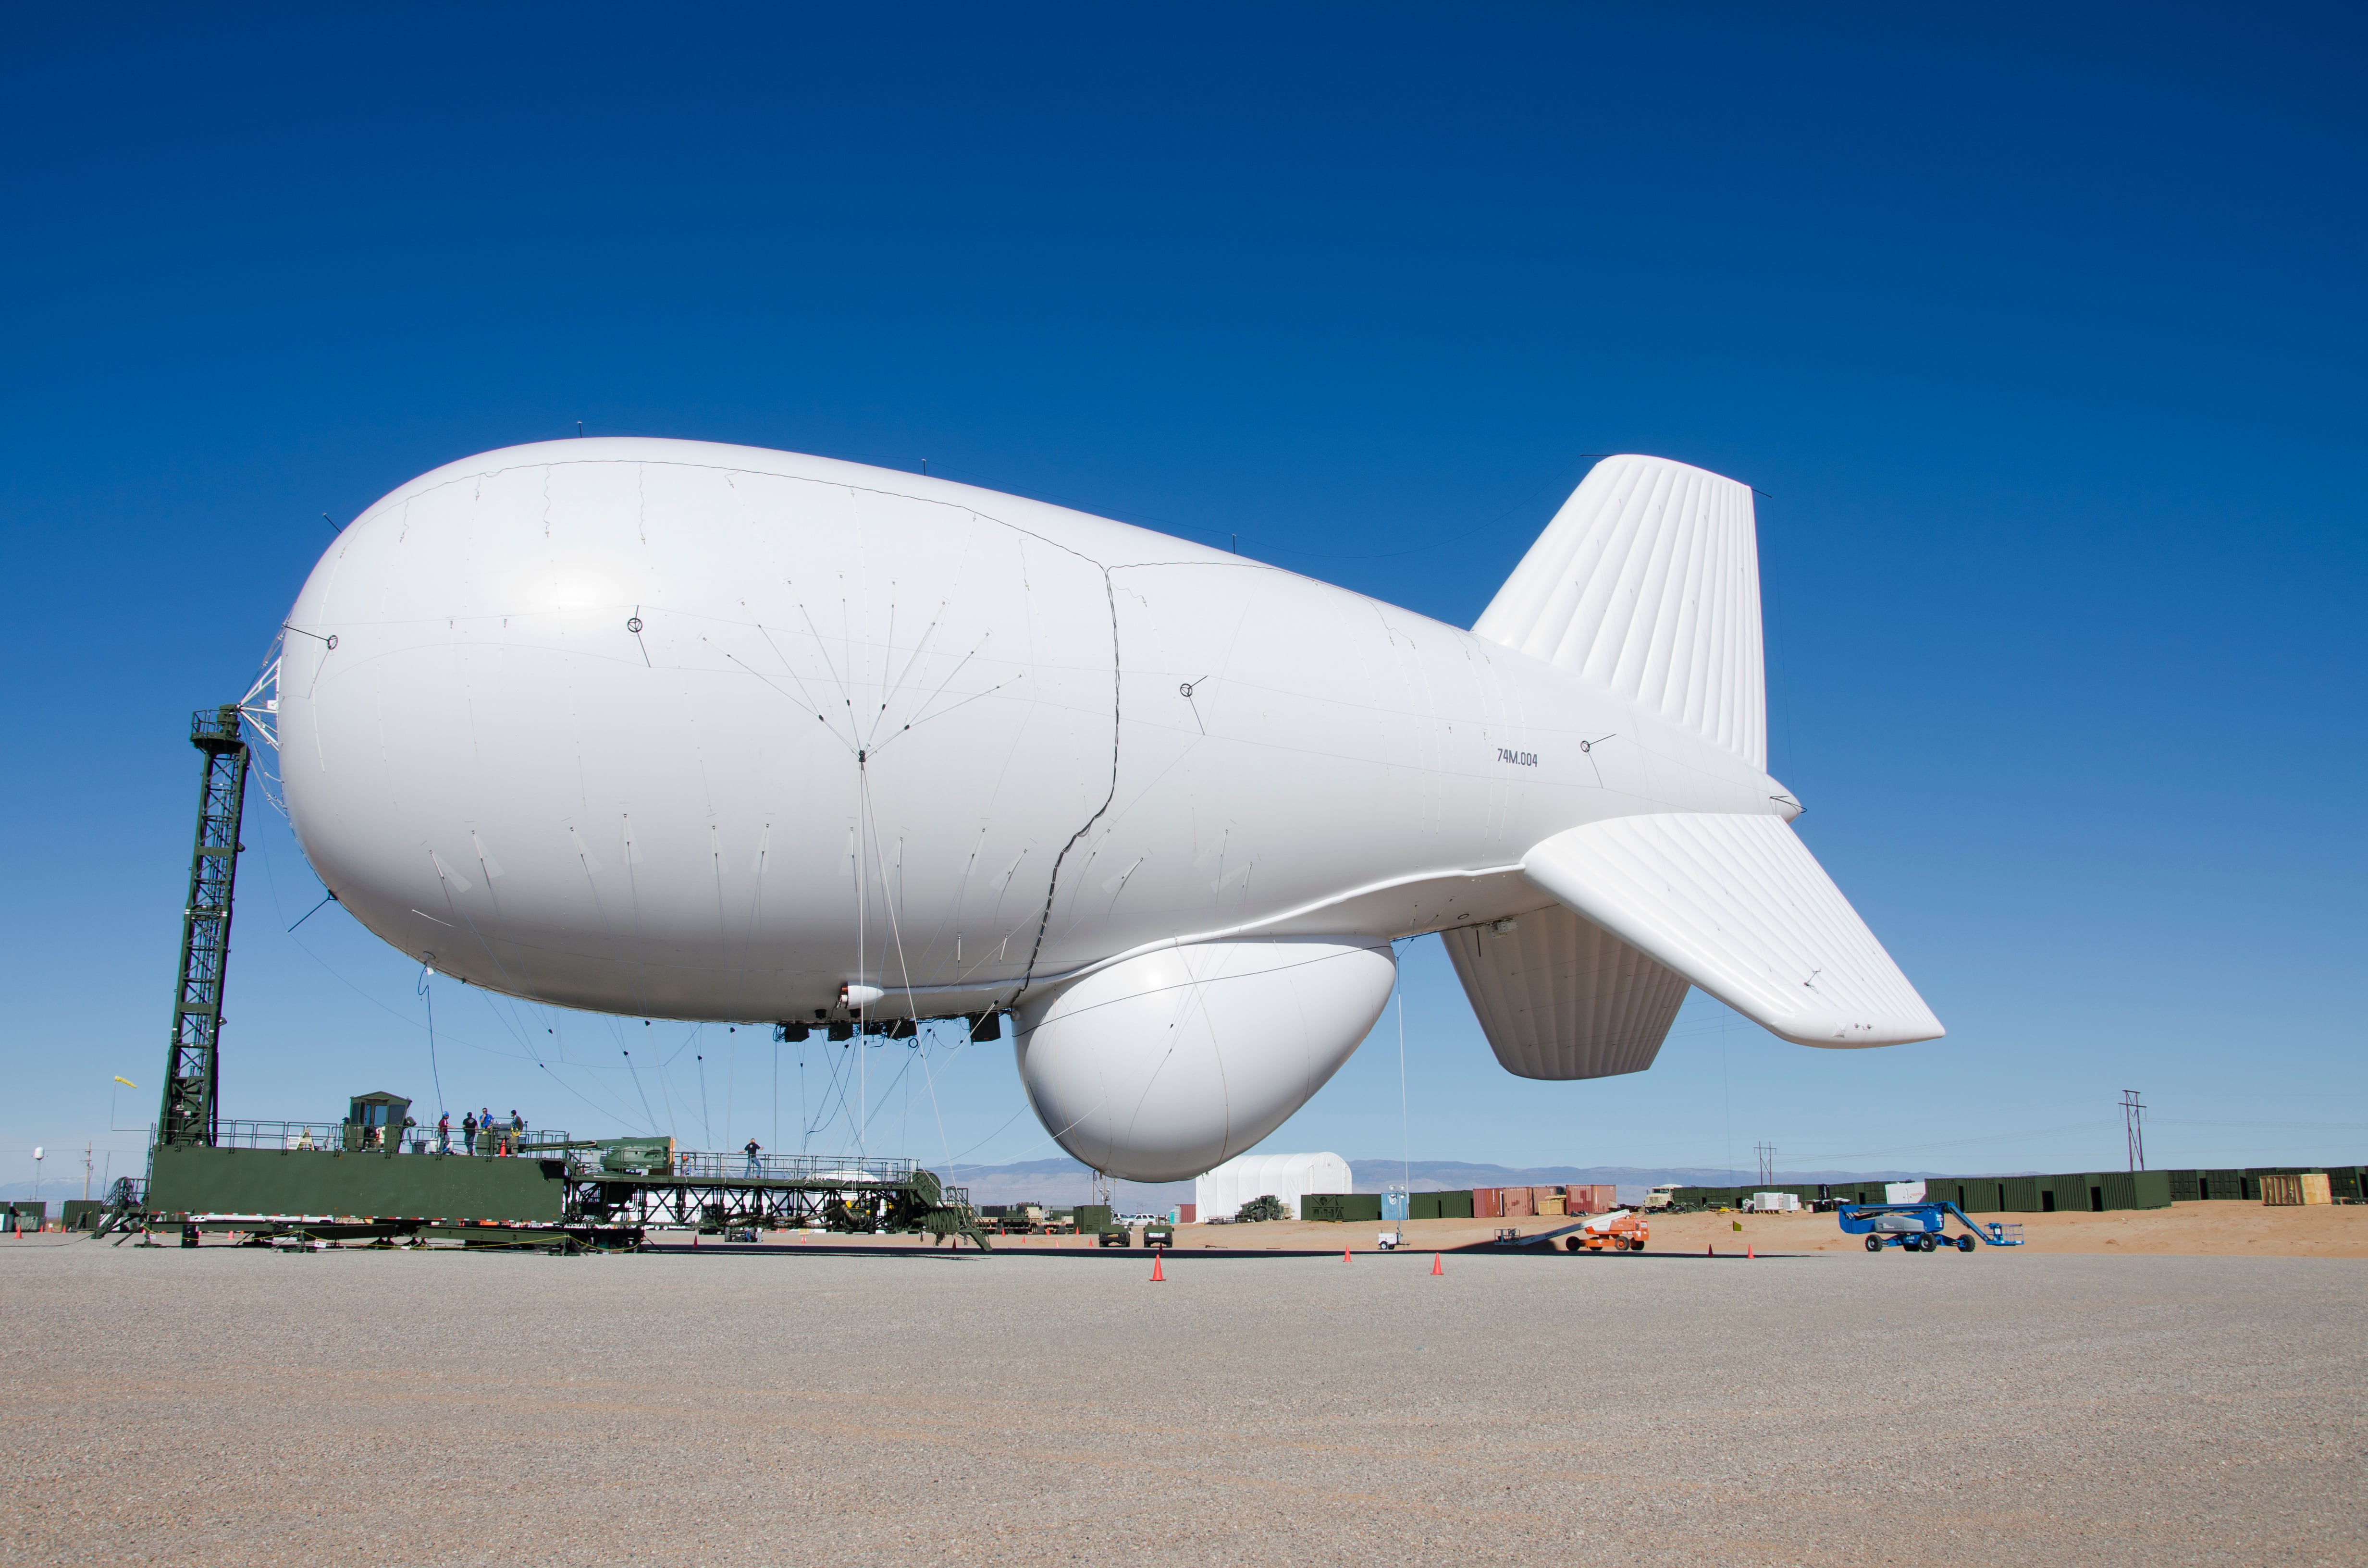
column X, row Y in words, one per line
column 1560, row 997
column 1737, row 906
column 1648, row 582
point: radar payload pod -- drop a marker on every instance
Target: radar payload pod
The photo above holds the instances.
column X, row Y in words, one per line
column 699, row 732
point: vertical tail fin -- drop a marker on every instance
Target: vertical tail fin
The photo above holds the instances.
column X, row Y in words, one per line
column 1648, row 582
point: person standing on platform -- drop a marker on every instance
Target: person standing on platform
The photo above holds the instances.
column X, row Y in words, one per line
column 756, row 1166
column 468, row 1129
column 444, row 1133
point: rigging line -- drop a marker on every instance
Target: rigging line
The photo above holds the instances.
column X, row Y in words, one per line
column 570, row 1088
column 1406, row 1125
column 757, row 675
column 912, row 1007
column 408, row 1021
column 1049, row 1137
column 902, row 675
column 941, row 713
column 838, row 1079
column 964, row 663
column 523, row 1037
column 665, row 1098
column 326, row 898
column 644, row 1093
column 929, row 1083
column 787, row 668
column 889, row 1093
column 684, row 1044
column 815, row 633
column 1052, row 886
column 705, row 1129
column 435, row 1076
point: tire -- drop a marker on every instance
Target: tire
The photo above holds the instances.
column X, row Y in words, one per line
column 1965, row 1244
column 1874, row 1244
column 1925, row 1243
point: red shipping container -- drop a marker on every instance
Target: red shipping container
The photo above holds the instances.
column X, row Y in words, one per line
column 1487, row 1203
column 1188, row 1213
column 1594, row 1199
column 1517, row 1203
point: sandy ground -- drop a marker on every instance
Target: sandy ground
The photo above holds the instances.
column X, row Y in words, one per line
column 243, row 1406
column 2205, row 1230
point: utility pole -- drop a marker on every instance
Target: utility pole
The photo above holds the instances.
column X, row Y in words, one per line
column 2134, row 1127
column 1766, row 1152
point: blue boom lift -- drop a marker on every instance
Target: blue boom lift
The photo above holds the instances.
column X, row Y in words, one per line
column 1918, row 1227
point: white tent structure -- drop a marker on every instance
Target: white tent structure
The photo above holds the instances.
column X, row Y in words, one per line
column 1245, row 1178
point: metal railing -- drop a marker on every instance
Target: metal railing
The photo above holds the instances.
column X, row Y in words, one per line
column 817, row 1169
column 324, row 1135
column 331, row 1137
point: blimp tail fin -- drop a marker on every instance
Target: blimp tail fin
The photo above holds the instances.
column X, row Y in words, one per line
column 1739, row 907
column 1560, row 997
column 1648, row 582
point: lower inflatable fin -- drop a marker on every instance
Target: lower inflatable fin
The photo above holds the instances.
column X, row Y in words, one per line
column 1737, row 906
column 1560, row 997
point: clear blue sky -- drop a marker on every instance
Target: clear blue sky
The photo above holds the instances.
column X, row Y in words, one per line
column 2040, row 330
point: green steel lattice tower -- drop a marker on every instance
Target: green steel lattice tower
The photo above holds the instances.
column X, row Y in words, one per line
column 188, row 1112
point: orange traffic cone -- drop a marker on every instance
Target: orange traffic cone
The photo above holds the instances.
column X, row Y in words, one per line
column 1435, row 1270
column 1748, row 1252
column 1157, row 1276
column 1710, row 1251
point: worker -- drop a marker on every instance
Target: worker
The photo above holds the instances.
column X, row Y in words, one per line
column 756, row 1166
column 444, row 1133
column 468, row 1129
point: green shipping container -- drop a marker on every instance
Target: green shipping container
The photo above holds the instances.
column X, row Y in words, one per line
column 1093, row 1217
column 1339, row 1208
column 2227, row 1186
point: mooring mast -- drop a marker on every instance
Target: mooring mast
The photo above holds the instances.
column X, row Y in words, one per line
column 191, row 1066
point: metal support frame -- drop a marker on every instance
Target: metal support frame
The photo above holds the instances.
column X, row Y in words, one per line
column 2134, row 1128
column 192, row 1063
column 725, row 1203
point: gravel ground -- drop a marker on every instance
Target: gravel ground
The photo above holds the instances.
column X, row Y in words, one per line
column 244, row 1406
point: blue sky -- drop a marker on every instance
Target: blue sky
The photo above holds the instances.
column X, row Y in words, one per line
column 2041, row 332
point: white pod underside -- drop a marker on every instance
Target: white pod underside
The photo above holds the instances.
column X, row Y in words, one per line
column 1165, row 1065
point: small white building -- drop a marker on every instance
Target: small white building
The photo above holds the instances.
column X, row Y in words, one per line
column 1903, row 1192
column 1245, row 1178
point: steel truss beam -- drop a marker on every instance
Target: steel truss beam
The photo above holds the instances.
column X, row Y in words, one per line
column 192, row 1065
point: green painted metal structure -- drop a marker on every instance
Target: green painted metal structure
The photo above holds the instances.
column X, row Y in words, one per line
column 192, row 1082
column 187, row 1179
